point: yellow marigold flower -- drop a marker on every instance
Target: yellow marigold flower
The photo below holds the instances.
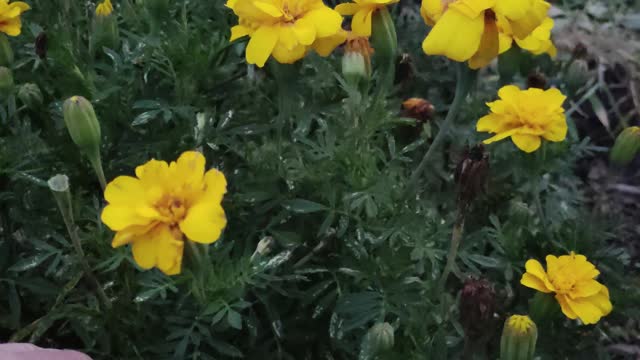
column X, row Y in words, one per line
column 470, row 29
column 10, row 23
column 526, row 116
column 572, row 279
column 163, row 203
column 538, row 43
column 362, row 11
column 105, row 8
column 285, row 29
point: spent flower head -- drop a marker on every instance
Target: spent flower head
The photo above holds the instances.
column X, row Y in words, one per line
column 285, row 29
column 362, row 11
column 162, row 205
column 10, row 22
column 527, row 116
column 473, row 30
column 572, row 279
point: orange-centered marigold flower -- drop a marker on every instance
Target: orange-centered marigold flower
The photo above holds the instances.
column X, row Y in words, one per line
column 155, row 210
column 284, row 29
column 362, row 11
column 470, row 29
column 526, row 116
column 10, row 23
column 572, row 279
column 105, row 8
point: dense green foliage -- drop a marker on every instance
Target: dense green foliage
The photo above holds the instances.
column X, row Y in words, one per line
column 312, row 164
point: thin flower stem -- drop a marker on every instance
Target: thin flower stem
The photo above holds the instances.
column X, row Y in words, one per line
column 97, row 167
column 456, row 239
column 64, row 204
column 464, row 79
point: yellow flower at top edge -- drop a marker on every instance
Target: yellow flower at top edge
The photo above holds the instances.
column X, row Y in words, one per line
column 105, row 8
column 527, row 116
column 162, row 205
column 10, row 22
column 469, row 30
column 362, row 11
column 572, row 279
column 285, row 29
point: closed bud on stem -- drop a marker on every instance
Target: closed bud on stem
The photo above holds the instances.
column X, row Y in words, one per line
column 519, row 338
column 420, row 109
column 626, row 147
column 84, row 128
column 385, row 40
column 577, row 75
column 105, row 32
column 30, row 95
column 471, row 175
column 6, row 53
column 381, row 337
column 356, row 62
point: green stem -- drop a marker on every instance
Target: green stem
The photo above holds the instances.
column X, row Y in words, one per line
column 96, row 163
column 456, row 239
column 462, row 89
column 64, row 204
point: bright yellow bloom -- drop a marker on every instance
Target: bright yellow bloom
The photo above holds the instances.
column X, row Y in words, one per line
column 105, row 8
column 572, row 279
column 469, row 29
column 538, row 43
column 521, row 324
column 10, row 23
column 362, row 11
column 163, row 203
column 526, row 116
column 285, row 29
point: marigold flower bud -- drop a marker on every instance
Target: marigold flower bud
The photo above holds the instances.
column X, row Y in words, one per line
column 6, row 80
column 577, row 75
column 420, row 109
column 42, row 45
column 6, row 53
column 519, row 338
column 471, row 174
column 381, row 337
column 356, row 62
column 477, row 306
column 536, row 80
column 384, row 37
column 30, row 95
column 626, row 147
column 82, row 123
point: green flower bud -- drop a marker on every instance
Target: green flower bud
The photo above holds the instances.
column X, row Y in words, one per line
column 82, row 123
column 84, row 129
column 626, row 147
column 6, row 80
column 30, row 95
column 353, row 67
column 6, row 53
column 385, row 40
column 105, row 33
column 381, row 337
column 518, row 338
column 577, row 75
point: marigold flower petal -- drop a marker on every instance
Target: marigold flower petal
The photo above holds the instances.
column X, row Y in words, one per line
column 526, row 143
column 455, row 36
column 328, row 22
column 489, row 47
column 361, row 23
column 347, row 9
column 239, row 31
column 261, row 45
